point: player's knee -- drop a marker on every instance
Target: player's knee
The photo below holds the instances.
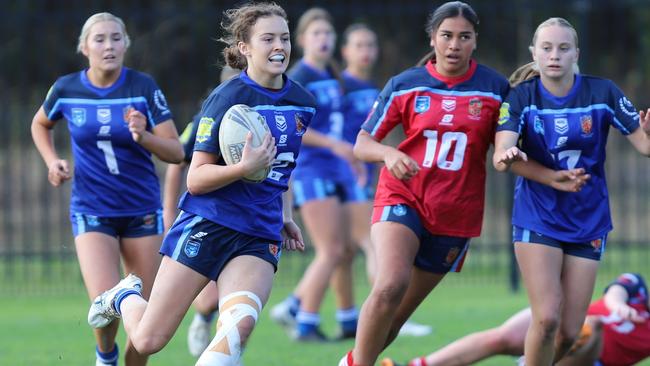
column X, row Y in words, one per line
column 149, row 344
column 547, row 325
column 390, row 292
column 503, row 342
column 567, row 336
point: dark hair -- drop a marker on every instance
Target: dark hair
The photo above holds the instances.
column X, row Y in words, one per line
column 305, row 20
column 450, row 9
column 238, row 23
column 353, row 28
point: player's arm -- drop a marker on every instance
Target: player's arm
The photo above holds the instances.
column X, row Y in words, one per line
column 291, row 233
column 58, row 169
column 640, row 138
column 338, row 147
column 616, row 301
column 171, row 191
column 162, row 141
column 399, row 164
column 206, row 176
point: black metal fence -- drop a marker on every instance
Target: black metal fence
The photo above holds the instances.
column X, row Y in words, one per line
column 174, row 41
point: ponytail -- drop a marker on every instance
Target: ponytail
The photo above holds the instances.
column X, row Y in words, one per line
column 429, row 56
column 523, row 73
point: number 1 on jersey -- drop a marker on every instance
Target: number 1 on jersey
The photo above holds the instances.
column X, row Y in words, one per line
column 449, row 138
column 109, row 155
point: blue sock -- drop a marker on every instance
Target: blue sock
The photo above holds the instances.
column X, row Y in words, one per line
column 121, row 295
column 307, row 322
column 294, row 304
column 108, row 358
column 348, row 318
column 207, row 317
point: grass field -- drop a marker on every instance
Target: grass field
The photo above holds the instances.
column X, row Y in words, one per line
column 52, row 329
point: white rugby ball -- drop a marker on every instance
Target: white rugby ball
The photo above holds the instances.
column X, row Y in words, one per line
column 235, row 125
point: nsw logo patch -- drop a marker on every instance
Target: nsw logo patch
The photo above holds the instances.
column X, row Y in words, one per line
column 422, row 104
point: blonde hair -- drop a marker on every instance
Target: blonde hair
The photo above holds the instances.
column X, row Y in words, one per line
column 531, row 70
column 96, row 18
column 238, row 24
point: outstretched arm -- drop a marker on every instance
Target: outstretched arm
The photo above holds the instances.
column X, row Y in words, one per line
column 640, row 138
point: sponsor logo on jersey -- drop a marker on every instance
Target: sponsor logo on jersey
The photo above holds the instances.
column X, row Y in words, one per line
column 300, row 126
column 192, row 248
column 447, row 119
column 504, row 113
column 280, row 122
column 204, row 131
column 597, row 244
column 475, row 107
column 538, row 125
column 448, row 105
column 104, row 131
column 452, row 254
column 103, row 115
column 561, row 125
column 561, row 141
column 422, row 104
column 586, row 124
column 160, row 101
column 78, row 116
column 275, row 251
column 627, row 107
column 399, row 210
column 283, row 140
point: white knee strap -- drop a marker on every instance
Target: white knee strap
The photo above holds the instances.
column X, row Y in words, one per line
column 229, row 318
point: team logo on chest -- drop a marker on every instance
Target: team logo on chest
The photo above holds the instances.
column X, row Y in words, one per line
column 474, row 108
column 104, row 115
column 280, row 122
column 448, row 105
column 78, row 116
column 300, row 126
column 538, row 125
column 561, row 125
column 586, row 125
column 422, row 104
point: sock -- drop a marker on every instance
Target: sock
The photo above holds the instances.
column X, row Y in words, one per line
column 306, row 322
column 121, row 296
column 108, row 358
column 348, row 319
column 294, row 304
column 422, row 361
column 207, row 318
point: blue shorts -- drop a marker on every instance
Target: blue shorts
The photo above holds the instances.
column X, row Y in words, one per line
column 593, row 249
column 314, row 189
column 207, row 247
column 123, row 227
column 437, row 253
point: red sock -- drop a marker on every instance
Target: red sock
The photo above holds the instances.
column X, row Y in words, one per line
column 350, row 359
column 422, row 361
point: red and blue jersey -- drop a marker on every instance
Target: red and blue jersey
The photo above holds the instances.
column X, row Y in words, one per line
column 250, row 208
column 449, row 124
column 565, row 133
column 624, row 342
column 113, row 175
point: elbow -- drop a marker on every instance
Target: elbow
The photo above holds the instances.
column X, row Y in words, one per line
column 175, row 156
column 357, row 151
column 194, row 189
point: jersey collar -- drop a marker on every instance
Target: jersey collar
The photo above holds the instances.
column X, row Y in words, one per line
column 102, row 92
column 275, row 95
column 455, row 80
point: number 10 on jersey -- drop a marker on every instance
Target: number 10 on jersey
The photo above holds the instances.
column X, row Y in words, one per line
column 449, row 139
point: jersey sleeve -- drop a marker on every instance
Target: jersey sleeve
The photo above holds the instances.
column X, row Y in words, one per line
column 187, row 139
column 385, row 113
column 209, row 120
column 157, row 104
column 626, row 117
column 50, row 105
column 511, row 111
column 633, row 284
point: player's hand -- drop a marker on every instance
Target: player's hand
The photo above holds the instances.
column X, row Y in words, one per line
column 511, row 155
column 644, row 121
column 137, row 123
column 626, row 312
column 400, row 165
column 571, row 180
column 256, row 158
column 292, row 237
column 58, row 172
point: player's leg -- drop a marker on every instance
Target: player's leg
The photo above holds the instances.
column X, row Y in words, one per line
column 325, row 222
column 578, row 280
column 140, row 257
column 396, row 246
column 541, row 269
column 99, row 261
column 205, row 305
column 244, row 287
column 586, row 350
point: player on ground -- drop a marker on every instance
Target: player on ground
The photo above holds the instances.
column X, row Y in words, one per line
column 615, row 333
column 117, row 117
column 230, row 231
column 562, row 119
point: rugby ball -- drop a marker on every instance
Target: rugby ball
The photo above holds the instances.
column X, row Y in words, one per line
column 235, row 125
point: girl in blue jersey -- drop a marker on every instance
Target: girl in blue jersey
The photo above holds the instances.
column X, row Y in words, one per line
column 320, row 179
column 230, row 231
column 117, row 117
column 562, row 119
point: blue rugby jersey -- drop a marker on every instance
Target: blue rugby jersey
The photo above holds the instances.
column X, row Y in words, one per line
column 113, row 175
column 253, row 209
column 564, row 133
column 317, row 161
